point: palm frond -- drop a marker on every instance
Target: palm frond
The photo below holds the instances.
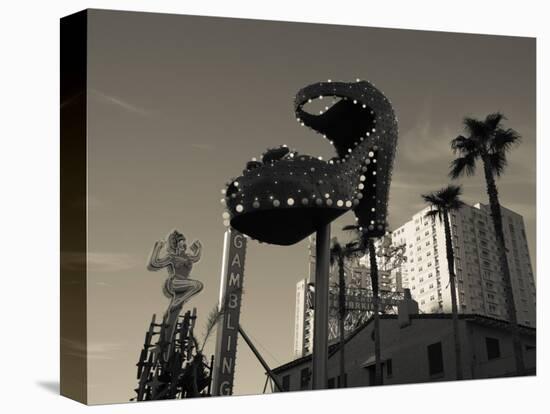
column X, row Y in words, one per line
column 444, row 200
column 492, row 121
column 350, row 227
column 361, row 237
column 449, row 193
column 431, row 198
column 462, row 145
column 433, row 213
column 213, row 318
column 351, row 249
column 350, row 245
column 504, row 140
column 475, row 128
column 463, row 165
column 497, row 162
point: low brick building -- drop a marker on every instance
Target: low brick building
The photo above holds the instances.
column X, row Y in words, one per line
column 419, row 348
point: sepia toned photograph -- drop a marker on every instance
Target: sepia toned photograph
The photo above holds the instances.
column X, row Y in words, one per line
column 256, row 207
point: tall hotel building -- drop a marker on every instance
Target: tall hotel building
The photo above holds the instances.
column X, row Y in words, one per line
column 480, row 286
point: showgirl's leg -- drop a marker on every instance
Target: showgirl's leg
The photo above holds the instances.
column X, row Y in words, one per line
column 185, row 289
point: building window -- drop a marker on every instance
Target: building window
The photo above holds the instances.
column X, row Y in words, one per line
column 389, row 368
column 493, row 348
column 286, row 383
column 435, row 359
column 345, row 380
column 304, row 378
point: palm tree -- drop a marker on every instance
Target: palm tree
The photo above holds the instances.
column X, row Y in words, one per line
column 442, row 202
column 366, row 245
column 338, row 255
column 489, row 142
column 195, row 375
column 393, row 256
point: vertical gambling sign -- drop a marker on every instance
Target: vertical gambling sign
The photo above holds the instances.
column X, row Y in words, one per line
column 234, row 251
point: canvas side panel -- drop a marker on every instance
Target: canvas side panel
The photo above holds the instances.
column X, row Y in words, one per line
column 73, row 375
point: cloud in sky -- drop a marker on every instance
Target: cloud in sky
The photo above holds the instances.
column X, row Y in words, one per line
column 118, row 102
column 204, row 147
column 93, row 350
column 100, row 261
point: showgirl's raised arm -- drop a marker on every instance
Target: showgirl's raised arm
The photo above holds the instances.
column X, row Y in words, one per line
column 155, row 262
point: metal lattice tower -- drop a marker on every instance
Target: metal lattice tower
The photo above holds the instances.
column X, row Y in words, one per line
column 172, row 367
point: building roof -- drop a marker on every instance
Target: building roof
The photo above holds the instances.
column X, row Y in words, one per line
column 470, row 317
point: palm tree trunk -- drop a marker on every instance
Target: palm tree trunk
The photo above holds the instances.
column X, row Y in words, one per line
column 496, row 214
column 342, row 315
column 452, row 282
column 375, row 309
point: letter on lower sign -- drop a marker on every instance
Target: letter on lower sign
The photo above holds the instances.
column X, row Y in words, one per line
column 238, row 241
column 225, row 388
column 233, row 300
column 235, row 279
column 228, row 324
column 227, row 366
column 236, row 260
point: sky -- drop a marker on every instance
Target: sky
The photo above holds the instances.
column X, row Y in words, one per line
column 178, row 104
